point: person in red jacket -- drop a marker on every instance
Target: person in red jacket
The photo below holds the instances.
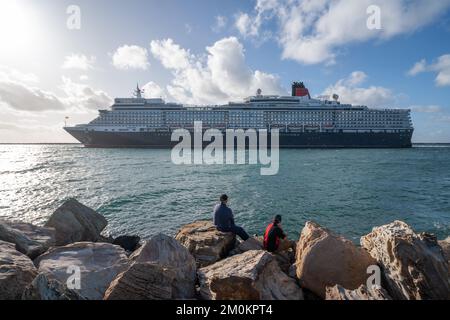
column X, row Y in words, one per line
column 273, row 234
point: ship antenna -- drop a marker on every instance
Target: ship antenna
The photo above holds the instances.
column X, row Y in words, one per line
column 138, row 92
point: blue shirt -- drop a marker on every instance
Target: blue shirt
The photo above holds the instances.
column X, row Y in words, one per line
column 223, row 217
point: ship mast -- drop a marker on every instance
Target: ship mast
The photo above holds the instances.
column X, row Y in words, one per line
column 138, row 92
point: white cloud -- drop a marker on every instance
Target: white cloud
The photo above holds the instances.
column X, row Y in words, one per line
column 350, row 91
column 131, row 57
column 153, row 90
column 81, row 96
column 218, row 77
column 25, row 98
column 79, row 62
column 418, row 67
column 246, row 25
column 18, row 91
column 220, row 23
column 441, row 67
column 313, row 31
column 170, row 54
column 16, row 94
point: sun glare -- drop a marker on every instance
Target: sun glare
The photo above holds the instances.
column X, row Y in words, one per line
column 18, row 28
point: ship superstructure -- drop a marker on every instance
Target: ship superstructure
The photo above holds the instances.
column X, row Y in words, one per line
column 302, row 121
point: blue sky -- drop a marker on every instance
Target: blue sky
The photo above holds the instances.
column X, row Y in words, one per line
column 215, row 51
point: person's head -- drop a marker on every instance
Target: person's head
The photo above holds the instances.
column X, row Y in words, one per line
column 224, row 199
column 277, row 219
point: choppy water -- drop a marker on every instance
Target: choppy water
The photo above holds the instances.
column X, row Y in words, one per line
column 142, row 192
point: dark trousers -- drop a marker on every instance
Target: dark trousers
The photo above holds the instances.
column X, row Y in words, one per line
column 237, row 231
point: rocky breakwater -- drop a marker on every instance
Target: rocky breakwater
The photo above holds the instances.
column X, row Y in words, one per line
column 414, row 266
column 69, row 259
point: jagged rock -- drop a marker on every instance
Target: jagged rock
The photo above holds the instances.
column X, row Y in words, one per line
column 45, row 288
column 129, row 243
column 205, row 243
column 74, row 222
column 338, row 292
column 142, row 281
column 252, row 275
column 413, row 265
column 325, row 259
column 252, row 243
column 445, row 245
column 170, row 254
column 98, row 263
column 29, row 239
column 17, row 271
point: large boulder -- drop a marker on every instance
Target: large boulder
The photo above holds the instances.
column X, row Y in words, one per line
column 253, row 275
column 142, row 281
column 252, row 243
column 205, row 243
column 445, row 245
column 168, row 253
column 338, row 292
column 98, row 263
column 74, row 222
column 17, row 271
column 413, row 264
column 44, row 287
column 326, row 259
column 29, row 239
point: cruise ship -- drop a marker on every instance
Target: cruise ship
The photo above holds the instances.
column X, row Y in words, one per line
column 301, row 122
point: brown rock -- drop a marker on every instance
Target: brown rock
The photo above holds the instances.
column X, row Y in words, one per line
column 413, row 265
column 445, row 245
column 168, row 253
column 205, row 243
column 74, row 222
column 338, row 292
column 45, row 288
column 98, row 263
column 252, row 275
column 29, row 239
column 326, row 259
column 17, row 271
column 142, row 281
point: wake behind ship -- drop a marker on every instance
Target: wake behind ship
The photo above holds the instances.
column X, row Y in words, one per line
column 302, row 122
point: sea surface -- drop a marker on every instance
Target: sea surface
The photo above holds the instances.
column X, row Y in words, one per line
column 142, row 192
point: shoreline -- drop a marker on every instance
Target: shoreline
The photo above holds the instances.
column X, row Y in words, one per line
column 392, row 262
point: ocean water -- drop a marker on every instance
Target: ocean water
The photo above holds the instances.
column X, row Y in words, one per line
column 141, row 192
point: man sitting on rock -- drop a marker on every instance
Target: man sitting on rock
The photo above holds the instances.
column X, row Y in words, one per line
column 273, row 236
column 224, row 219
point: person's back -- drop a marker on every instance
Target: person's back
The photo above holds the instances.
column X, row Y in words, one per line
column 224, row 220
column 223, row 217
column 273, row 234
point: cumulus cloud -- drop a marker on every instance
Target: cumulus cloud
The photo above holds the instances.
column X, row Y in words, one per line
column 441, row 66
column 78, row 62
column 220, row 23
column 313, row 31
column 17, row 93
column 350, row 90
column 153, row 90
column 217, row 77
column 131, row 57
column 81, row 96
column 21, row 92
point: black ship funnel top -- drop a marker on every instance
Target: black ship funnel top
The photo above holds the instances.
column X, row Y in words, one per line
column 299, row 90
